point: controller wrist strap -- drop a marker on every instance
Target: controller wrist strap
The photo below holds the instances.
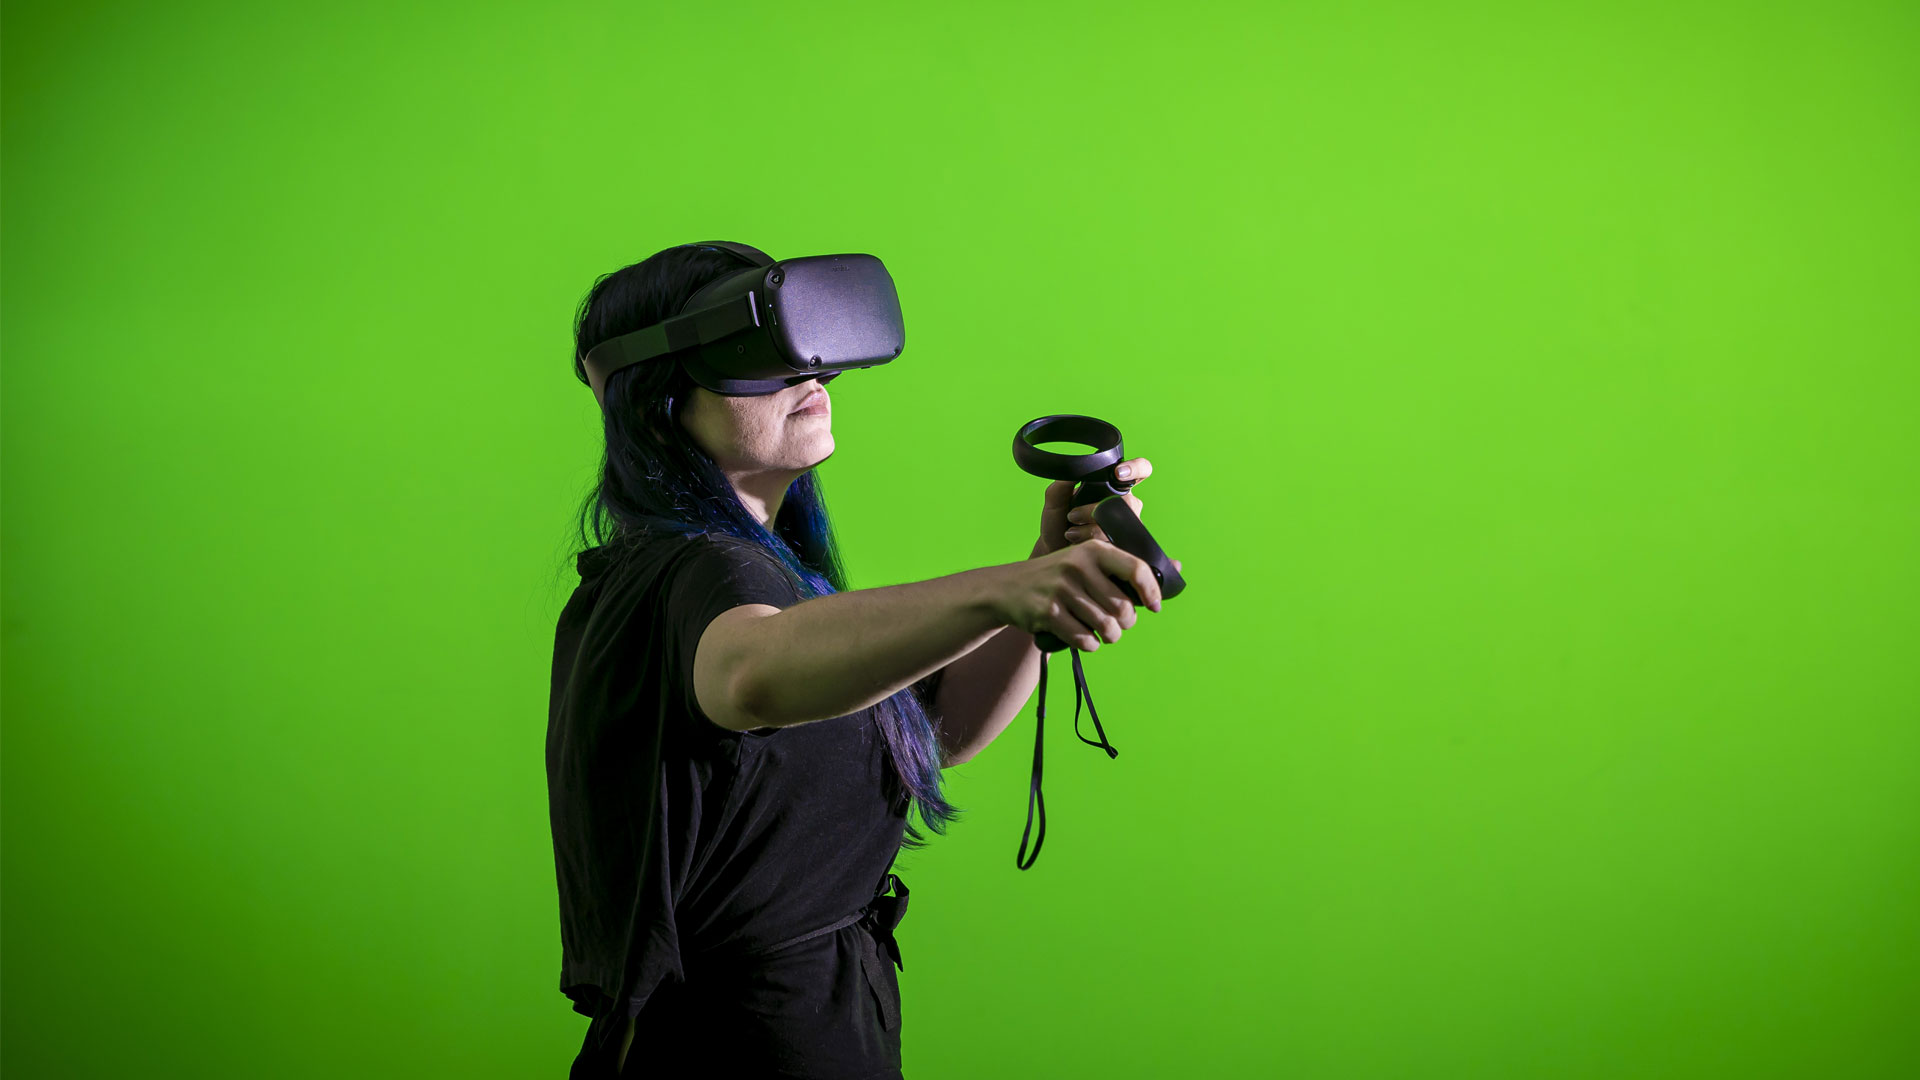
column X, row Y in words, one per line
column 1034, row 798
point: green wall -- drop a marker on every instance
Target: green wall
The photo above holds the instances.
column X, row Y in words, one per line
column 1531, row 392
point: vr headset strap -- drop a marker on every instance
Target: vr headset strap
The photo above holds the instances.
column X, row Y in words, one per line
column 752, row 254
column 689, row 331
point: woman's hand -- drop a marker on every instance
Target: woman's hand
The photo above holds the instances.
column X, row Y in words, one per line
column 1074, row 594
column 1059, row 528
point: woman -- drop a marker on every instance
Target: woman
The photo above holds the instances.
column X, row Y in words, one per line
column 734, row 741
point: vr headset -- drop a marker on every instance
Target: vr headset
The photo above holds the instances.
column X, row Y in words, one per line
column 768, row 326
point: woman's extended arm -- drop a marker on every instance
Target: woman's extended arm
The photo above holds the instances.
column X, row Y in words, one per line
column 834, row 655
column 837, row 654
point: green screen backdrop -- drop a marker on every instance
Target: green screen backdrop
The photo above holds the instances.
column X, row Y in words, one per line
column 1531, row 393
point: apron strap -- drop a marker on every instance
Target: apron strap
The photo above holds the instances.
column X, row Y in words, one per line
column 879, row 919
column 883, row 913
column 882, row 909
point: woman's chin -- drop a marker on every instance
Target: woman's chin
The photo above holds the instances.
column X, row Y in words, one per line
column 826, row 451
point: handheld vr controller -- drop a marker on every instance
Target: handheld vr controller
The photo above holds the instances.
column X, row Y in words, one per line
column 1094, row 473
column 1097, row 484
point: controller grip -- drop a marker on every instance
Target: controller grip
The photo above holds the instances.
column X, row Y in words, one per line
column 1128, row 534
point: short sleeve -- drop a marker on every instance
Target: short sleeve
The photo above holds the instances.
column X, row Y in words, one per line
column 712, row 576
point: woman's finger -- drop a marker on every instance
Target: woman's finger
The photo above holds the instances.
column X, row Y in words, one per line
column 1080, row 515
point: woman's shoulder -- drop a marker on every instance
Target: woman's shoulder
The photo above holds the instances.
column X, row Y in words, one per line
column 633, row 549
column 659, row 557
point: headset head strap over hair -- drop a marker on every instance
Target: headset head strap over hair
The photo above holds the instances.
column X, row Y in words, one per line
column 752, row 254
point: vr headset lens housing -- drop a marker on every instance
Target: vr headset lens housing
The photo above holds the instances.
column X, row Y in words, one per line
column 767, row 327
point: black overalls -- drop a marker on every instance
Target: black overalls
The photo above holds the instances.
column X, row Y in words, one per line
column 730, row 889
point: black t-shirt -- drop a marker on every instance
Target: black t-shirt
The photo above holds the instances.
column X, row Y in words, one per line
column 684, row 849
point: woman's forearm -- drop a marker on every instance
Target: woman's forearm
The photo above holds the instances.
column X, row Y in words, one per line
column 984, row 690
column 835, row 655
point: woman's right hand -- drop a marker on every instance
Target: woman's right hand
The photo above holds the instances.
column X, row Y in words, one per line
column 1071, row 593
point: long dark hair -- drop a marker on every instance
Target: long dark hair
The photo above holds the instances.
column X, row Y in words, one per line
column 656, row 480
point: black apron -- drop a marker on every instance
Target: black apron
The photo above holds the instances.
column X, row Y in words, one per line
column 823, row 1004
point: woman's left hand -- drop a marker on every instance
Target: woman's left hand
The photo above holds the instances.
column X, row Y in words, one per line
column 1060, row 526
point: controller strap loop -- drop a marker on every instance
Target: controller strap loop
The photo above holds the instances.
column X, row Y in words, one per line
column 1035, row 799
